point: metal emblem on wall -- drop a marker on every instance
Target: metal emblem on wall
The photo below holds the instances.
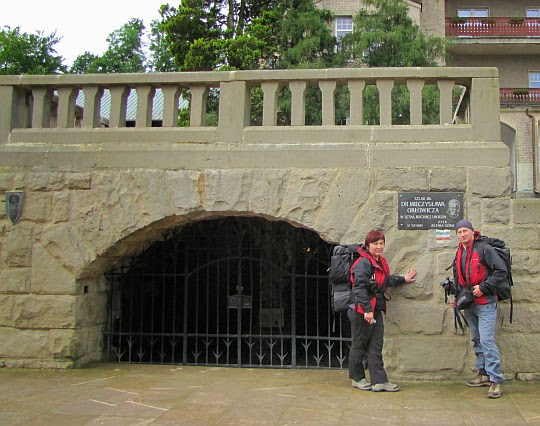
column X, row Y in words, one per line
column 14, row 205
column 429, row 210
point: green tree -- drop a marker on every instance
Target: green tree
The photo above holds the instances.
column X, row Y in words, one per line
column 124, row 53
column 161, row 59
column 22, row 53
column 385, row 36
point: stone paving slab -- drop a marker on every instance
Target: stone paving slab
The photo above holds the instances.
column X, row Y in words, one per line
column 122, row 394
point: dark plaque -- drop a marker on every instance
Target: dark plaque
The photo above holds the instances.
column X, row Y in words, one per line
column 429, row 210
column 14, row 205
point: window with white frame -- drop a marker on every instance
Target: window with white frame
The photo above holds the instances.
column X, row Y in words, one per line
column 534, row 79
column 473, row 13
column 344, row 26
column 533, row 13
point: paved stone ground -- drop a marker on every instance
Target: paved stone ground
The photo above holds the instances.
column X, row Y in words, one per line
column 121, row 394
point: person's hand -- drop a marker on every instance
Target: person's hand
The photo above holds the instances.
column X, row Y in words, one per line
column 409, row 276
column 476, row 291
column 368, row 316
column 452, row 304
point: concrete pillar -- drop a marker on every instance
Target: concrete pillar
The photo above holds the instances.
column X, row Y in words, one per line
column 10, row 111
column 92, row 106
column 328, row 90
column 415, row 96
column 119, row 95
column 234, row 103
column 145, row 104
column 66, row 107
column 445, row 100
column 385, row 101
column 171, row 95
column 270, row 103
column 485, row 109
column 41, row 111
column 298, row 102
column 199, row 95
column 356, row 93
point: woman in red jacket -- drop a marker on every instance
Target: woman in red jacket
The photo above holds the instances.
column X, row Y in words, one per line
column 370, row 277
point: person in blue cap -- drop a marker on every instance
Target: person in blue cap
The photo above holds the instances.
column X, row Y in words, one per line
column 479, row 267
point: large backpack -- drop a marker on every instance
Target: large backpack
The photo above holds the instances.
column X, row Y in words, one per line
column 504, row 254
column 343, row 257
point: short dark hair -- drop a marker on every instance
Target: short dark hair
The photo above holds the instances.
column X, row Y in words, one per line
column 373, row 236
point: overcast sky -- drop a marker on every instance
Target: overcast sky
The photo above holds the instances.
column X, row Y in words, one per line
column 83, row 26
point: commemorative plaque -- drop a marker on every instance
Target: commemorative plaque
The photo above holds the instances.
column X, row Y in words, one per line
column 14, row 205
column 429, row 210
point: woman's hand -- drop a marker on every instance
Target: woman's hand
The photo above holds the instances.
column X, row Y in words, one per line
column 452, row 304
column 368, row 316
column 409, row 276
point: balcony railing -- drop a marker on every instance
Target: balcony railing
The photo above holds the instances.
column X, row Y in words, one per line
column 492, row 27
column 27, row 102
column 519, row 96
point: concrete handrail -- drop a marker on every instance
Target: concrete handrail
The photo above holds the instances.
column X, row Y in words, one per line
column 25, row 112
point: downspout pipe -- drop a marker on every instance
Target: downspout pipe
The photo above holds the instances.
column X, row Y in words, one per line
column 534, row 128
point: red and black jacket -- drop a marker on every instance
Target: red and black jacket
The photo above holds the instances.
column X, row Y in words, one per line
column 481, row 266
column 368, row 299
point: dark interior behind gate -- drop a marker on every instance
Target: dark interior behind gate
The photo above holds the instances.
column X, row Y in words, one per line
column 233, row 291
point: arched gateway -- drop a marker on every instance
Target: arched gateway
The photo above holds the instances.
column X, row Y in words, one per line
column 233, row 291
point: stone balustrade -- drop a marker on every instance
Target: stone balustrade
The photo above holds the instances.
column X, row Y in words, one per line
column 25, row 112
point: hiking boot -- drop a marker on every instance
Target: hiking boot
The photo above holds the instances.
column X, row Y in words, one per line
column 495, row 391
column 479, row 381
column 361, row 384
column 385, row 387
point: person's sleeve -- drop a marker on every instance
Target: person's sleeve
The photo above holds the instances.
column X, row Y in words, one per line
column 498, row 273
column 396, row 280
column 362, row 272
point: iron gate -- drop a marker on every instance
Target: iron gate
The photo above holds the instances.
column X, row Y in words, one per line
column 235, row 291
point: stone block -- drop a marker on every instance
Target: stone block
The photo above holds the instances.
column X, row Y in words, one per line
column 64, row 243
column 6, row 310
column 15, row 280
column 19, row 343
column 45, row 181
column 379, row 212
column 450, row 180
column 519, row 352
column 524, row 237
column 44, row 312
column 63, row 343
column 183, row 187
column 526, row 211
column 48, row 275
column 305, row 193
column 346, row 194
column 268, row 190
column 489, row 182
column 420, row 317
column 37, row 207
column 79, row 180
column 60, row 207
column 226, row 190
column 496, row 210
column 402, row 179
column 17, row 245
column 418, row 355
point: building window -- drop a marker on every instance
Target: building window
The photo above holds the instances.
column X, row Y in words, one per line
column 344, row 26
column 473, row 13
column 533, row 13
column 534, row 79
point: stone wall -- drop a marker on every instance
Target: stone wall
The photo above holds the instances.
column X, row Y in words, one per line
column 76, row 226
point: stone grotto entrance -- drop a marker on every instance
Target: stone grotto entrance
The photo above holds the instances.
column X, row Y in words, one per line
column 232, row 291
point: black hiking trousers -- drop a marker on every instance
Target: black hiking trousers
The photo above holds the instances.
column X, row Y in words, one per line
column 367, row 342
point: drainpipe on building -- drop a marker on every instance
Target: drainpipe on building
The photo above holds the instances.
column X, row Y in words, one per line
column 534, row 124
